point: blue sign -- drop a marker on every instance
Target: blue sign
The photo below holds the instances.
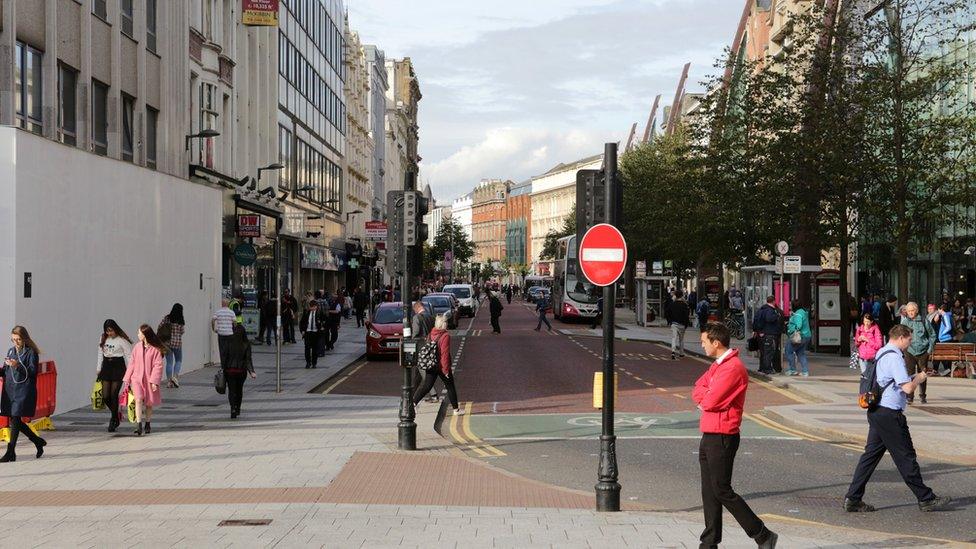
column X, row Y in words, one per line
column 245, row 254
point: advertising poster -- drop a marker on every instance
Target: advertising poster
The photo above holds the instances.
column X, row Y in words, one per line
column 260, row 13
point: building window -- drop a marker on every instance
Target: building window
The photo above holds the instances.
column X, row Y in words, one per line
column 128, row 108
column 27, row 88
column 67, row 105
column 151, row 25
column 125, row 15
column 284, row 157
column 208, row 121
column 100, row 9
column 207, row 18
column 99, row 127
column 152, row 123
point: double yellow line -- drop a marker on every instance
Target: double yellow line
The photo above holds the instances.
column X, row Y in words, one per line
column 776, row 426
column 460, row 428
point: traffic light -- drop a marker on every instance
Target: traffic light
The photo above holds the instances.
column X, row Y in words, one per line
column 591, row 201
column 415, row 207
column 394, row 236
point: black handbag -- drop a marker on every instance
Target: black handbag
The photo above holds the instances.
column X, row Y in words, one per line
column 753, row 344
column 220, row 382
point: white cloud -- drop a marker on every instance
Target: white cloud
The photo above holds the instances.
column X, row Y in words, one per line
column 508, row 153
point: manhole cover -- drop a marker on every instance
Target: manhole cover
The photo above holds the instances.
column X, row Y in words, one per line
column 946, row 410
column 245, row 522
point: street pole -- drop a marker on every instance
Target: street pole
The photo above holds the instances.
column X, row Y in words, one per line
column 607, row 487
column 278, row 315
column 407, row 428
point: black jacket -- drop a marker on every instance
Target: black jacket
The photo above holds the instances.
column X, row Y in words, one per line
column 886, row 319
column 495, row 305
column 360, row 300
column 319, row 321
column 19, row 396
column 768, row 321
column 238, row 355
column 679, row 313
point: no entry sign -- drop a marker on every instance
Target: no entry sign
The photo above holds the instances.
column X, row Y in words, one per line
column 603, row 254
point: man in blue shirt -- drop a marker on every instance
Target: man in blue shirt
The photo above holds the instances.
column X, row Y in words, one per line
column 888, row 428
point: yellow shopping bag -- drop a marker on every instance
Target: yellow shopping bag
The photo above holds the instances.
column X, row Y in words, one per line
column 97, row 397
column 131, row 407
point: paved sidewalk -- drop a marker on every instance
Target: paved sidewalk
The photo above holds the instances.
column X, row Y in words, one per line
column 307, row 469
column 944, row 429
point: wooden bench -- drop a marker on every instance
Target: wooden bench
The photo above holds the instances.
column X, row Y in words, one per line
column 960, row 355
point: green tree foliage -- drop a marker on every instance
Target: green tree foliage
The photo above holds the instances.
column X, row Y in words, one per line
column 463, row 247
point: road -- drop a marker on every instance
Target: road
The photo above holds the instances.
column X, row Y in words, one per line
column 530, row 397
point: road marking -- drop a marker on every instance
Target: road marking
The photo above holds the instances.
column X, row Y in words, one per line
column 785, row 392
column 781, row 518
column 771, row 424
column 345, row 377
column 487, row 449
column 662, row 389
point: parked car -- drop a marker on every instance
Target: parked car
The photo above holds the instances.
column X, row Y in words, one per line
column 536, row 291
column 465, row 296
column 443, row 305
column 385, row 330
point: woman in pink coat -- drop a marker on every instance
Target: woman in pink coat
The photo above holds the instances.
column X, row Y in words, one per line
column 868, row 340
column 144, row 374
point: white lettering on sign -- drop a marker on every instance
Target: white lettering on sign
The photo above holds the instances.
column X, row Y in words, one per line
column 603, row 254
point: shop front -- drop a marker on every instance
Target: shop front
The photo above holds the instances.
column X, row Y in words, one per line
column 321, row 268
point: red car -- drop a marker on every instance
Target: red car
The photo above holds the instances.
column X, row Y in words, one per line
column 385, row 330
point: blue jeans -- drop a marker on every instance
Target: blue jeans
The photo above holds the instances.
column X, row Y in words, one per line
column 174, row 361
column 800, row 350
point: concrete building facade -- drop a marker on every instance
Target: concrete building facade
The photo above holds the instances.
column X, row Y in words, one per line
column 358, row 196
column 461, row 212
column 488, row 220
column 553, row 198
column 378, row 86
column 518, row 224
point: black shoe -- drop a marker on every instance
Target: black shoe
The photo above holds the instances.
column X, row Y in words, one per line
column 938, row 503
column 770, row 541
column 113, row 424
column 40, row 447
column 857, row 506
column 233, row 414
column 148, row 428
column 138, row 430
column 9, row 456
column 314, row 366
column 923, row 400
column 910, row 400
column 307, row 365
column 673, row 357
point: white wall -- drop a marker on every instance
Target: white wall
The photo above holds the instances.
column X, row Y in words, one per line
column 103, row 239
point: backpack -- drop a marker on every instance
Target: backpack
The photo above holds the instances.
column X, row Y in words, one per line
column 165, row 331
column 869, row 393
column 429, row 355
column 703, row 308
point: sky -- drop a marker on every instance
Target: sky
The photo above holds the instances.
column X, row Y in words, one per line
column 512, row 88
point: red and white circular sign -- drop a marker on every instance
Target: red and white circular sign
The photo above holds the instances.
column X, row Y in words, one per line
column 603, row 254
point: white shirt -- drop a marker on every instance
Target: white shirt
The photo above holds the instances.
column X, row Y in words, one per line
column 723, row 356
column 311, row 322
column 114, row 347
column 225, row 319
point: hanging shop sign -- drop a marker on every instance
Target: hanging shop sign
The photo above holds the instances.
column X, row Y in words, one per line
column 323, row 259
column 245, row 254
column 248, row 225
column 260, row 13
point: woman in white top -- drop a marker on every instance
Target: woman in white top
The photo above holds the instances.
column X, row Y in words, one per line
column 114, row 351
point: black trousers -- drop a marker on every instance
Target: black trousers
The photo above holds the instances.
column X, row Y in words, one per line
column 716, row 456
column 769, row 357
column 311, row 348
column 235, row 390
column 360, row 318
column 223, row 343
column 428, row 383
column 702, row 321
column 18, row 426
column 287, row 329
column 494, row 324
column 331, row 335
column 888, row 430
column 542, row 318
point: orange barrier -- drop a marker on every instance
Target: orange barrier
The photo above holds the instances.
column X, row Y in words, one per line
column 47, row 399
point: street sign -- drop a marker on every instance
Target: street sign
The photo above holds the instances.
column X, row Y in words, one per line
column 603, row 254
column 782, row 247
column 792, row 264
column 353, row 263
column 778, row 265
column 245, row 254
column 640, row 269
column 376, row 230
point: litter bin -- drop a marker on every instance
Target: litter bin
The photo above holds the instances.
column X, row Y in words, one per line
column 47, row 399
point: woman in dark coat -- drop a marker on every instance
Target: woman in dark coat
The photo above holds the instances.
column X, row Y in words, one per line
column 19, row 398
column 238, row 367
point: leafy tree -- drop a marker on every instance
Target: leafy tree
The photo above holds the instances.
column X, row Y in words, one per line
column 450, row 230
column 549, row 245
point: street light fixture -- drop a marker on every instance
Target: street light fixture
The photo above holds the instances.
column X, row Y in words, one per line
column 354, row 212
column 203, row 134
column 276, row 166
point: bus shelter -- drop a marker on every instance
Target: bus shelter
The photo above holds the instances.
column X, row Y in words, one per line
column 649, row 305
column 762, row 281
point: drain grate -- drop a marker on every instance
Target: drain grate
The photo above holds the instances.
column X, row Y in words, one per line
column 946, row 410
column 245, row 522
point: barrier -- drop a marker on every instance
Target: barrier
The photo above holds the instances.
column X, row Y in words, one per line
column 47, row 399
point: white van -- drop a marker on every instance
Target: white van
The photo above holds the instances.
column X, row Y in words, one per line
column 465, row 296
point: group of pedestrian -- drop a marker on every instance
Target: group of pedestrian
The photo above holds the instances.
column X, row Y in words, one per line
column 433, row 357
column 234, row 349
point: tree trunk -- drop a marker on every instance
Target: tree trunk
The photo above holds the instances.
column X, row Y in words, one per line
column 845, row 317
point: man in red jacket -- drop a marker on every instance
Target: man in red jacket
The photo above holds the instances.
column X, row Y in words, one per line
column 721, row 394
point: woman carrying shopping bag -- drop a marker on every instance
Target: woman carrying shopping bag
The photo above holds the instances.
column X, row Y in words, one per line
column 238, row 367
column 798, row 335
column 114, row 351
column 19, row 398
column 144, row 376
column 868, row 340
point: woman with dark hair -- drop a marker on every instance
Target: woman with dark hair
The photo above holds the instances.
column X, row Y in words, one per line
column 114, row 351
column 238, row 367
column 144, row 375
column 19, row 398
column 170, row 332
